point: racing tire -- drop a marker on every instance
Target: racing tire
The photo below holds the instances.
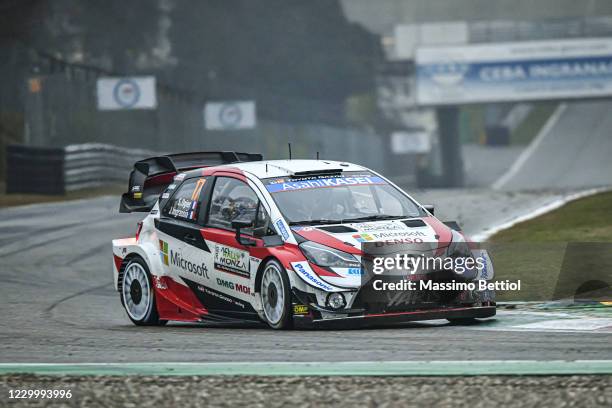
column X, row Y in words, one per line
column 275, row 295
column 138, row 295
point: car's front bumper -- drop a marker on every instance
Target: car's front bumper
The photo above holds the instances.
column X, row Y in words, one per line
column 380, row 319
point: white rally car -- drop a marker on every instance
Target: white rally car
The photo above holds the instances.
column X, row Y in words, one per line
column 229, row 237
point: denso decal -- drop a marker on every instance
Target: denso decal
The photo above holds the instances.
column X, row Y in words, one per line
column 281, row 228
column 286, row 185
column 232, row 260
column 305, row 272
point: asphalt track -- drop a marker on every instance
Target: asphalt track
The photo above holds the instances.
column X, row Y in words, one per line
column 573, row 150
column 58, row 304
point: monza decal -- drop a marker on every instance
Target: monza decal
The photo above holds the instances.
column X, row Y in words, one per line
column 232, row 260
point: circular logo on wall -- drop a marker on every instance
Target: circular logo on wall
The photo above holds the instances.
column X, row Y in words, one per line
column 449, row 74
column 126, row 93
column 230, row 115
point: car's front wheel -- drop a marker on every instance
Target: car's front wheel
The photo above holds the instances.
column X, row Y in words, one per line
column 138, row 296
column 276, row 295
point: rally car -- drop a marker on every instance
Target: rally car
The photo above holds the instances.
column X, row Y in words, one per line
column 230, row 237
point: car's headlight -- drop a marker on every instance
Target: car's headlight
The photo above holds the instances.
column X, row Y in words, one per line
column 458, row 247
column 326, row 256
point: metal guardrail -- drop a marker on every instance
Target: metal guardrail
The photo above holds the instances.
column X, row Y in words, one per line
column 46, row 170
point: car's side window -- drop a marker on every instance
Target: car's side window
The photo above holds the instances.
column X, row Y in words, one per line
column 185, row 204
column 233, row 200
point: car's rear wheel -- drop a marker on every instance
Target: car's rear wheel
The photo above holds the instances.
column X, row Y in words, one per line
column 276, row 296
column 138, row 295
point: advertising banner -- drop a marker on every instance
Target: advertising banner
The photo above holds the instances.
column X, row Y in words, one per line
column 533, row 70
column 230, row 115
column 126, row 93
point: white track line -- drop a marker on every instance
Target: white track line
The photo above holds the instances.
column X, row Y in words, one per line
column 528, row 152
column 483, row 236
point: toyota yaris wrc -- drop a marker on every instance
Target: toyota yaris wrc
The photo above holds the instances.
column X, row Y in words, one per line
column 231, row 238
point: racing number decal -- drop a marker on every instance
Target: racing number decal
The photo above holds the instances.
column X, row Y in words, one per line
column 198, row 189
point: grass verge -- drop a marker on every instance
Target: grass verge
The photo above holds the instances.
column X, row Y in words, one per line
column 563, row 254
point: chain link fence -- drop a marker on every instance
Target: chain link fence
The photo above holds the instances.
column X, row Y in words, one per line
column 61, row 109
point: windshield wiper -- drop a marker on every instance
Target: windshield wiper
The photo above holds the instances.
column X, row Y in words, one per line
column 314, row 222
column 376, row 217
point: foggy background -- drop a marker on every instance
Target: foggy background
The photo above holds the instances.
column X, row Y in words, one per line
column 335, row 77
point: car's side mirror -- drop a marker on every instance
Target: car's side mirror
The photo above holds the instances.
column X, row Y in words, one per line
column 238, row 225
column 273, row 240
column 430, row 208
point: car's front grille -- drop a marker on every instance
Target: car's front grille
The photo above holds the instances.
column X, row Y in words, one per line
column 381, row 301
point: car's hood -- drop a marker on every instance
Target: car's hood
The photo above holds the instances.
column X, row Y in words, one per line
column 353, row 235
column 420, row 234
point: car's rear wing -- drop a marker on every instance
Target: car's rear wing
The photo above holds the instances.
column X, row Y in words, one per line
column 151, row 176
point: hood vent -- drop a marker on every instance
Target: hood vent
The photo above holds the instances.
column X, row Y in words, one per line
column 414, row 223
column 337, row 229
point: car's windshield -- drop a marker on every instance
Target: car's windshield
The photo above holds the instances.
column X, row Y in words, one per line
column 353, row 196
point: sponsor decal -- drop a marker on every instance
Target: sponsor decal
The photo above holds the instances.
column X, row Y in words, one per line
column 159, row 283
column 137, row 195
column 379, row 226
column 184, row 208
column 309, row 276
column 234, row 286
column 300, row 309
column 163, row 248
column 221, row 296
column 171, row 186
column 135, row 189
column 170, row 257
column 398, row 234
column 281, row 228
column 232, row 260
column 198, row 189
column 180, row 177
column 305, row 229
column 363, row 237
column 394, row 241
column 287, row 185
column 165, row 195
column 355, row 271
